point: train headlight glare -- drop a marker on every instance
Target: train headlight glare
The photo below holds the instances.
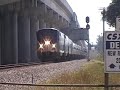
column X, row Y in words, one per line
column 53, row 45
column 40, row 46
column 47, row 42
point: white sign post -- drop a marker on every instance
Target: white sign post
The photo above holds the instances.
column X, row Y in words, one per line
column 118, row 23
column 112, row 51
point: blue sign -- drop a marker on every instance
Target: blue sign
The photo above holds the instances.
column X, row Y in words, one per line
column 112, row 44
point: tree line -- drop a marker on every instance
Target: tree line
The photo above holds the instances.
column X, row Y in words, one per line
column 110, row 15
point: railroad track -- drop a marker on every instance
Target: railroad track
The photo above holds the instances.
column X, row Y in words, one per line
column 21, row 65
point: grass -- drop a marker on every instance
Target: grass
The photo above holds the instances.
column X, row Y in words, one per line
column 91, row 73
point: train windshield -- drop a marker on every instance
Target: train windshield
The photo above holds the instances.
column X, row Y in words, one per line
column 48, row 35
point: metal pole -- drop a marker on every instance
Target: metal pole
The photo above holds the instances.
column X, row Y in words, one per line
column 106, row 75
column 88, row 46
column 32, row 78
column 88, row 27
column 103, row 29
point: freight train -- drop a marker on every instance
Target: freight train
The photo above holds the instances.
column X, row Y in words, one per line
column 53, row 45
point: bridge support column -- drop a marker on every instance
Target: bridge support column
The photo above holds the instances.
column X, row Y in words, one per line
column 0, row 40
column 42, row 23
column 48, row 25
column 64, row 23
column 60, row 21
column 24, row 38
column 52, row 26
column 15, row 37
column 34, row 26
column 55, row 21
column 9, row 39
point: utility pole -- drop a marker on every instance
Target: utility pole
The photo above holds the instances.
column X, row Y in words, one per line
column 106, row 75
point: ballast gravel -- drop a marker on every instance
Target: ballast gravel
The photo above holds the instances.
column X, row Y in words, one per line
column 39, row 73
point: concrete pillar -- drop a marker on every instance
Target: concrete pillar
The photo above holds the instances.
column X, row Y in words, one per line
column 64, row 23
column 67, row 23
column 44, row 11
column 48, row 25
column 52, row 26
column 9, row 39
column 34, row 26
column 33, row 3
column 49, row 16
column 15, row 37
column 60, row 21
column 0, row 39
column 2, row 31
column 23, row 38
column 42, row 24
column 6, row 43
column 56, row 19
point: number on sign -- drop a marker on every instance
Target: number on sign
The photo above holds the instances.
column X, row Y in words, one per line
column 117, row 60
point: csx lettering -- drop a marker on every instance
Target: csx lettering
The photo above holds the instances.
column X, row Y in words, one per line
column 113, row 36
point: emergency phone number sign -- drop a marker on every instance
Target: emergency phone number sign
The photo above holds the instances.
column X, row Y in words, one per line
column 112, row 51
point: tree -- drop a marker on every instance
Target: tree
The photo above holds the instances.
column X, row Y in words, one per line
column 99, row 45
column 113, row 10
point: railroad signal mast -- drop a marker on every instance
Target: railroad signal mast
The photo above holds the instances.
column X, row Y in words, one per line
column 88, row 27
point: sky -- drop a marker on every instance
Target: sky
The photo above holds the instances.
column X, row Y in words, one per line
column 91, row 8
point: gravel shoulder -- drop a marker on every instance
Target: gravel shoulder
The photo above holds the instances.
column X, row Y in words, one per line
column 39, row 73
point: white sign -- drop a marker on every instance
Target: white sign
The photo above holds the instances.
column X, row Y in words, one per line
column 112, row 51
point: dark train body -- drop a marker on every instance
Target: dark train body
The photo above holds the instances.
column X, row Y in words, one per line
column 54, row 45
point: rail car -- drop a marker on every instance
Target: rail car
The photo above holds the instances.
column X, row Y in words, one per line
column 55, row 46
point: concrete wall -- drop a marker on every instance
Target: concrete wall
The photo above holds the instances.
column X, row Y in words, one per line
column 64, row 4
column 57, row 8
column 3, row 2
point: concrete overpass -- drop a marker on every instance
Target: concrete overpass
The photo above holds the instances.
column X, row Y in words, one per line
column 19, row 21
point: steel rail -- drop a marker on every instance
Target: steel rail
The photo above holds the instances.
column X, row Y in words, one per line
column 7, row 66
column 61, row 85
column 20, row 65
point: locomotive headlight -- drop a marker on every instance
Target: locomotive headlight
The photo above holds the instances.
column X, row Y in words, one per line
column 40, row 46
column 47, row 42
column 53, row 45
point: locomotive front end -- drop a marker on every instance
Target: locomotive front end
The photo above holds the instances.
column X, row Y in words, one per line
column 47, row 44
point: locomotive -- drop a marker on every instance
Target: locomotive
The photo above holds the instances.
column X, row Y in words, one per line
column 53, row 45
